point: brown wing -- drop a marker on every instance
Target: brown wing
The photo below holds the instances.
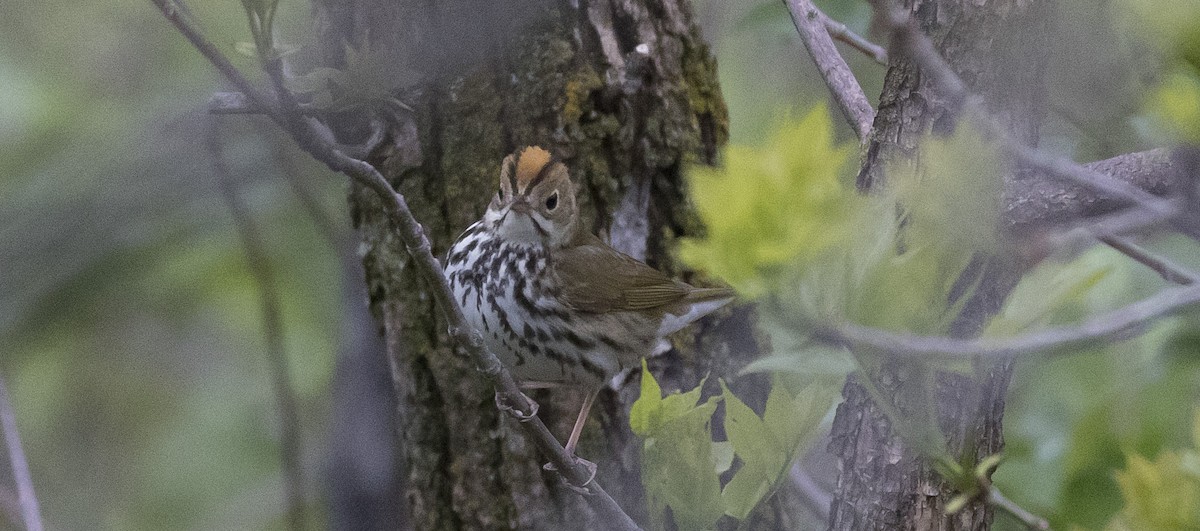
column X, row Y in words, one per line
column 598, row 278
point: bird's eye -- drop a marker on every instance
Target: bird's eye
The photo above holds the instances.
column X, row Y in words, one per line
column 552, row 201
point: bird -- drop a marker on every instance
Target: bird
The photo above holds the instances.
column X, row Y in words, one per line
column 556, row 304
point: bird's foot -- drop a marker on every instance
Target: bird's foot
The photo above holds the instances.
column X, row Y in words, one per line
column 583, row 487
column 524, row 414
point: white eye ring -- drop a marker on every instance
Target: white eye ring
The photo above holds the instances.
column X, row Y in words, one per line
column 552, row 201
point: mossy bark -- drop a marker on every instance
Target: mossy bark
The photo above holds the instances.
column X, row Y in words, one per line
column 1000, row 49
column 625, row 91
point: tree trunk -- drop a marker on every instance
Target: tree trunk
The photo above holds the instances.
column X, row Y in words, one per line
column 626, row 93
column 1000, row 49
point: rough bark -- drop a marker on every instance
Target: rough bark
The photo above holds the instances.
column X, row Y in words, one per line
column 625, row 92
column 1038, row 202
column 999, row 48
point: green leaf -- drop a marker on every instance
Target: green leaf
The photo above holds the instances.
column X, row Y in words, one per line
column 794, row 351
column 1044, row 292
column 771, row 207
column 768, row 445
column 1175, row 106
column 795, row 418
column 678, row 455
column 756, row 446
column 722, row 452
column 1159, row 494
column 646, row 406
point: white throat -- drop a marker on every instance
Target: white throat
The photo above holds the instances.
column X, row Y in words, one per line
column 518, row 227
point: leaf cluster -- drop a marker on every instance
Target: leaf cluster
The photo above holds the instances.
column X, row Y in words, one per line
column 683, row 467
column 1163, row 493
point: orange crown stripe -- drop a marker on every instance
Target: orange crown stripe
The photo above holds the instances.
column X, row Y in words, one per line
column 529, row 163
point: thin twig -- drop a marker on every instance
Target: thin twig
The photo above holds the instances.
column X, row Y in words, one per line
column 908, row 37
column 811, row 24
column 337, row 238
column 1085, row 233
column 26, row 496
column 811, row 494
column 174, row 11
column 418, row 246
column 1031, row 521
column 1170, row 271
column 258, row 261
column 840, row 32
column 1109, row 325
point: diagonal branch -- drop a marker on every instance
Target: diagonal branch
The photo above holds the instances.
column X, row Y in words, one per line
column 257, row 259
column 1168, row 270
column 1037, row 201
column 840, row 32
column 1115, row 324
column 418, row 246
column 1028, row 519
column 26, row 497
column 811, row 24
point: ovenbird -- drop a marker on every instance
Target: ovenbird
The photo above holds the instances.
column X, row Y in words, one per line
column 556, row 304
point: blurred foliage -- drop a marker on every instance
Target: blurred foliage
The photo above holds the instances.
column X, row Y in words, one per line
column 683, row 468
column 1163, row 494
column 767, row 208
column 1174, row 37
column 130, row 330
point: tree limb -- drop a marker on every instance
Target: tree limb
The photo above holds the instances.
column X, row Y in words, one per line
column 418, row 246
column 1110, row 325
column 1168, row 270
column 840, row 32
column 811, row 24
column 1037, row 201
column 30, row 513
column 1030, row 520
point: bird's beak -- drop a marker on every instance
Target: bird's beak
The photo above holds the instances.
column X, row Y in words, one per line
column 520, row 207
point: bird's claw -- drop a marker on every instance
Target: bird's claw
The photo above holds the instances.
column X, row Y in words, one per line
column 519, row 414
column 582, row 489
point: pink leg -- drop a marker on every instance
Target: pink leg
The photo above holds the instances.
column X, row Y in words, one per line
column 581, row 420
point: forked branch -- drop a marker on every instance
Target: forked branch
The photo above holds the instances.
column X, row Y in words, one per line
column 811, row 24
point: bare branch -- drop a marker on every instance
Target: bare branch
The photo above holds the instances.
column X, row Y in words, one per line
column 1031, row 521
column 816, row 498
column 30, row 513
column 1170, row 271
column 418, row 246
column 258, row 261
column 908, row 37
column 1034, row 202
column 233, row 103
column 811, row 23
column 1110, row 325
column 840, row 32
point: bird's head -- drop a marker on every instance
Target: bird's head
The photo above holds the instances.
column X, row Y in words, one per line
column 535, row 202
